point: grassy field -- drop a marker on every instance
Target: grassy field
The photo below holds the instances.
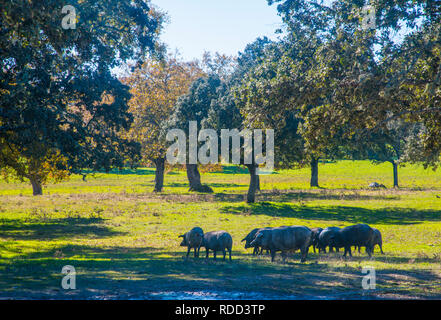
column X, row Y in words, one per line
column 123, row 241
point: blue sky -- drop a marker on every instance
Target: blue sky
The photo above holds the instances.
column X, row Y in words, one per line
column 226, row 26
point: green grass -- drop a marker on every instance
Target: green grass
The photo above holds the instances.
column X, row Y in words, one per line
column 122, row 238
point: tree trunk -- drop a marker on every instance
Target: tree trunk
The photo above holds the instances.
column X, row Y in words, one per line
column 159, row 174
column 395, row 165
column 251, row 196
column 194, row 179
column 314, row 173
column 37, row 189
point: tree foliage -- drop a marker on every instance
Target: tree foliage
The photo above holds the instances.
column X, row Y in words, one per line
column 61, row 107
column 155, row 88
column 358, row 80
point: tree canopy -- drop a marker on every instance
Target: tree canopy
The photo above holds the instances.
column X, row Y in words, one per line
column 155, row 88
column 61, row 106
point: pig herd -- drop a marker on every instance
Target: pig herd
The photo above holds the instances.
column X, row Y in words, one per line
column 287, row 239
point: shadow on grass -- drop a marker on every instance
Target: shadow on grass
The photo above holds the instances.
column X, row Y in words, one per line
column 398, row 216
column 377, row 256
column 48, row 229
column 291, row 196
column 128, row 171
column 236, row 170
column 288, row 196
column 213, row 185
column 119, row 272
column 275, row 196
column 233, row 170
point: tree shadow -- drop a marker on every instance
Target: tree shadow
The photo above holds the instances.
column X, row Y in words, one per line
column 49, row 229
column 233, row 170
column 213, row 185
column 144, row 273
column 398, row 216
column 128, row 171
column 229, row 197
column 236, row 170
column 273, row 196
column 364, row 258
column 288, row 196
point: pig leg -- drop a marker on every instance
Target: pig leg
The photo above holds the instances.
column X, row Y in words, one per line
column 283, row 256
column 225, row 253
column 188, row 251
column 273, row 255
column 369, row 251
column 347, row 250
column 207, row 252
column 304, row 252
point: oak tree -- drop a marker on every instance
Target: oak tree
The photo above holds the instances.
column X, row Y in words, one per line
column 61, row 106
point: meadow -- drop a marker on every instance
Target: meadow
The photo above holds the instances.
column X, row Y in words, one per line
column 123, row 240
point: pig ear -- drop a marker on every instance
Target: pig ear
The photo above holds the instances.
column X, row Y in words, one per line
column 181, row 236
column 260, row 235
column 243, row 240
